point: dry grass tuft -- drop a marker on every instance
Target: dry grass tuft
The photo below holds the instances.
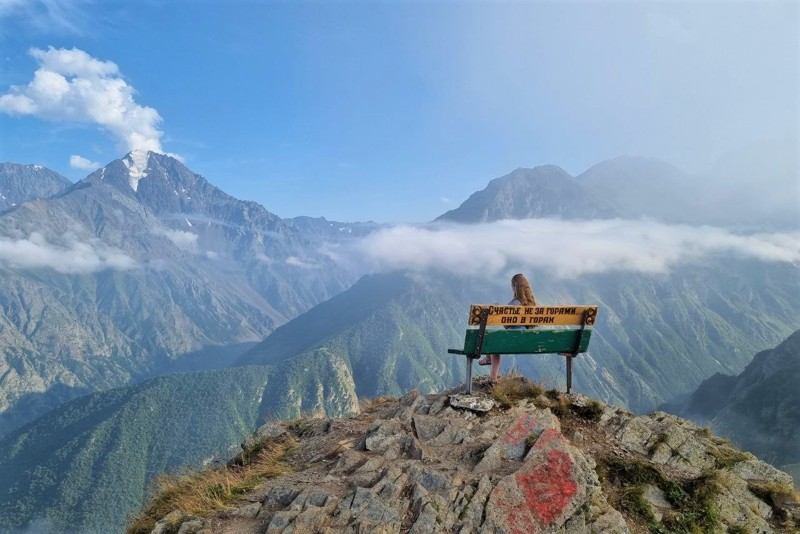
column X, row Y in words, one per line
column 201, row 493
column 726, row 456
column 592, row 411
column 370, row 405
column 783, row 499
column 557, row 402
column 512, row 388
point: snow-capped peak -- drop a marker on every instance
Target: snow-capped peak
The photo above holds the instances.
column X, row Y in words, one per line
column 136, row 162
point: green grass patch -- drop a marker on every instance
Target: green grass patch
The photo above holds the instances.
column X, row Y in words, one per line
column 692, row 500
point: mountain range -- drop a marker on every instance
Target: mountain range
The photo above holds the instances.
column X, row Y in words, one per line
column 754, row 188
column 139, row 269
column 144, row 269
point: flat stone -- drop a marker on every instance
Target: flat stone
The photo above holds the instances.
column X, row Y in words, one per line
column 168, row 522
column 439, row 404
column 191, row 527
column 475, row 403
column 658, row 501
column 310, row 520
column 428, row 426
column 248, row 510
column 280, row 521
column 349, row 461
column 431, row 479
column 455, row 433
column 280, row 496
column 754, row 469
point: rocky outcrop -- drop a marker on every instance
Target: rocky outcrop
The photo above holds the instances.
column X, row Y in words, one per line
column 554, row 463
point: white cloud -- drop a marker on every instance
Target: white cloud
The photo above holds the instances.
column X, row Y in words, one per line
column 70, row 85
column 66, row 254
column 294, row 261
column 565, row 248
column 79, row 162
column 181, row 239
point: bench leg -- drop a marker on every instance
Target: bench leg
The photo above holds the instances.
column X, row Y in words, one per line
column 468, row 384
column 569, row 373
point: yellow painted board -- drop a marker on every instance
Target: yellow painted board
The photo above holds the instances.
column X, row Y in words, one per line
column 547, row 315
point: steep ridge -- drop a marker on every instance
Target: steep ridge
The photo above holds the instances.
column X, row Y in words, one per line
column 757, row 409
column 20, row 183
column 113, row 284
column 86, row 465
column 656, row 336
column 515, row 461
column 393, row 329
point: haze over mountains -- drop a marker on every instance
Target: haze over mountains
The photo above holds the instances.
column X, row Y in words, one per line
column 754, row 188
column 144, row 268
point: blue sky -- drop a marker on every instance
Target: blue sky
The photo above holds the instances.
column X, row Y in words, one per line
column 392, row 111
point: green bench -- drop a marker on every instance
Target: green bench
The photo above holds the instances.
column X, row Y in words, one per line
column 550, row 329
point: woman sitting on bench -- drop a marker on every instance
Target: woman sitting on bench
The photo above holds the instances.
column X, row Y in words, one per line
column 523, row 296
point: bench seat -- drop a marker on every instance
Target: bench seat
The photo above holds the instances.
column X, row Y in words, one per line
column 533, row 341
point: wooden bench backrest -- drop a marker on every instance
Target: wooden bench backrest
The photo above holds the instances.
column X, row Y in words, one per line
column 532, row 315
column 533, row 340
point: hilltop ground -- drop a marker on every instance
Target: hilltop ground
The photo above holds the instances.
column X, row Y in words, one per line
column 511, row 458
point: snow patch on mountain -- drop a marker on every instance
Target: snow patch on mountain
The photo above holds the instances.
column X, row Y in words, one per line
column 136, row 162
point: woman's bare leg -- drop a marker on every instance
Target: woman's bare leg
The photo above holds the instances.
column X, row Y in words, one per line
column 495, row 371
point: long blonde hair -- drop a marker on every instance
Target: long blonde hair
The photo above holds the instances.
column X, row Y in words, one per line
column 522, row 290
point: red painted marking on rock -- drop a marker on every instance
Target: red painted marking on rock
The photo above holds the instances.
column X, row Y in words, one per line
column 548, row 439
column 519, row 430
column 548, row 488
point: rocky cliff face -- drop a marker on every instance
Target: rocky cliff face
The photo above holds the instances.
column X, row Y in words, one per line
column 20, row 183
column 513, row 460
column 758, row 409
